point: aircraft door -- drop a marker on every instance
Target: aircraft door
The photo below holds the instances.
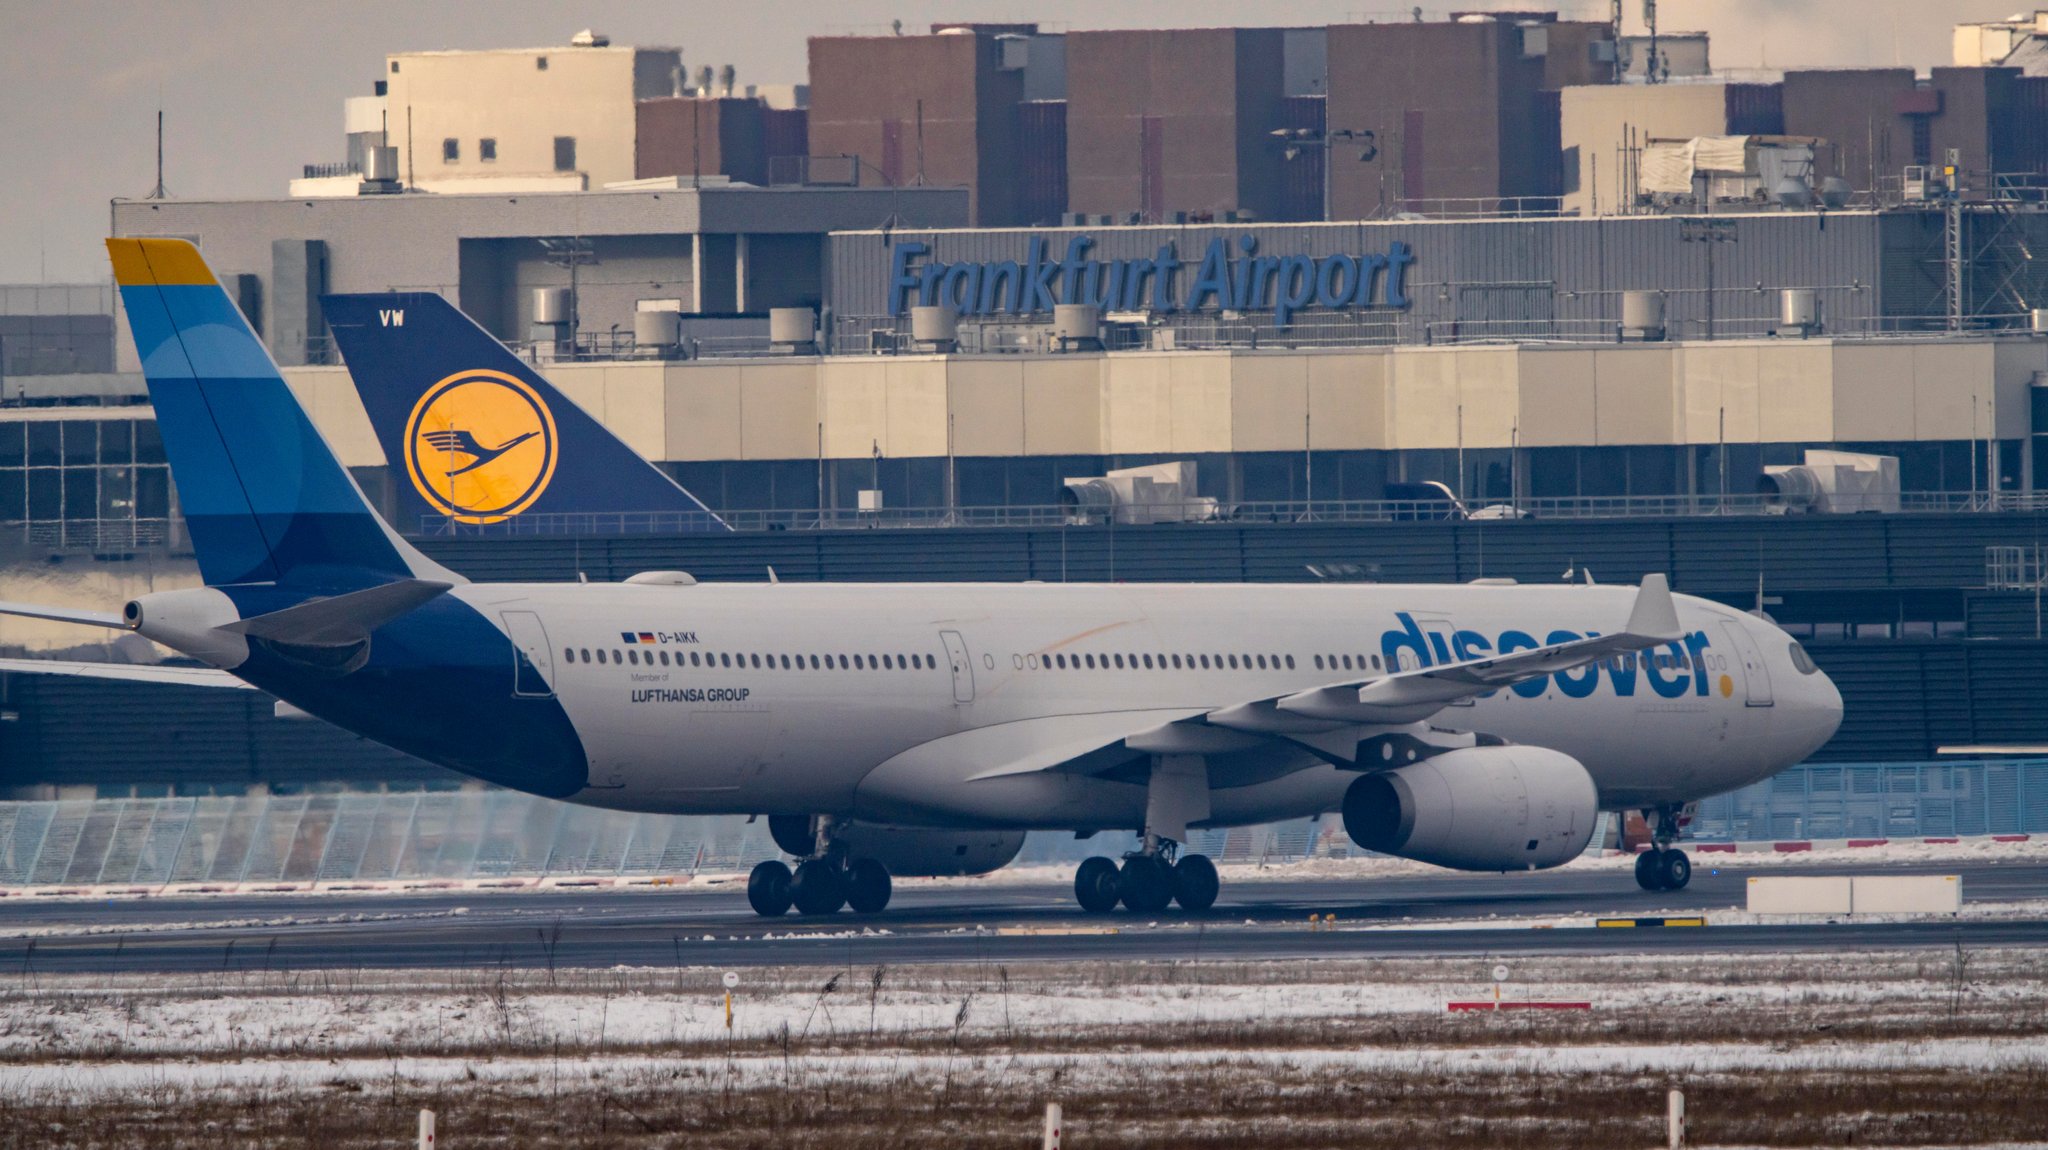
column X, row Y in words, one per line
column 532, row 675
column 963, row 667
column 1756, row 677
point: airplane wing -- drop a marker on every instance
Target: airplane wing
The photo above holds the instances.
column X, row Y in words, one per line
column 1328, row 721
column 63, row 615
column 129, row 672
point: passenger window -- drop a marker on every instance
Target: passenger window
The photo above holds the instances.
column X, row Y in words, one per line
column 1233, row 662
column 586, row 654
column 618, row 656
column 1375, row 662
column 1262, row 662
column 1290, row 662
column 871, row 662
column 1119, row 662
column 1319, row 662
column 1090, row 660
column 600, row 655
column 814, row 662
column 1176, row 662
column 664, row 658
column 1148, row 662
column 900, row 664
column 757, row 660
column 724, row 659
column 1205, row 662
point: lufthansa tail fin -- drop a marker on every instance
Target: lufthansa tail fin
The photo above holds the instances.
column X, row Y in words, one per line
column 264, row 498
column 479, row 436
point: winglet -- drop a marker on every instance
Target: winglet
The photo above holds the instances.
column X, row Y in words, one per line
column 1654, row 615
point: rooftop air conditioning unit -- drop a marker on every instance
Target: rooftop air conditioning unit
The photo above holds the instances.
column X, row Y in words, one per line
column 1832, row 482
column 1161, row 493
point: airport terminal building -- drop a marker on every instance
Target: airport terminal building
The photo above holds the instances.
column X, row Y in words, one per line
column 886, row 365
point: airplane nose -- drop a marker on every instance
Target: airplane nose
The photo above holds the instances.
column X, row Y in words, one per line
column 1818, row 713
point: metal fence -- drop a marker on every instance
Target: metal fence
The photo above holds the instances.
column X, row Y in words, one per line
column 1884, row 800
column 483, row 834
column 1273, row 511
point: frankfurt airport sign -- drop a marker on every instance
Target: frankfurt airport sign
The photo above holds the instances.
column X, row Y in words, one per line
column 1229, row 276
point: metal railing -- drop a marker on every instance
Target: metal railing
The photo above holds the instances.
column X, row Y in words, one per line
column 333, row 170
column 95, row 535
column 1245, row 511
column 891, row 335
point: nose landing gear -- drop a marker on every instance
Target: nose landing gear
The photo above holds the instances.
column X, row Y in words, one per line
column 1664, row 866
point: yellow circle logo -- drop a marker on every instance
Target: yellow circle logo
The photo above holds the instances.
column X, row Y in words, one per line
column 1727, row 687
column 480, row 446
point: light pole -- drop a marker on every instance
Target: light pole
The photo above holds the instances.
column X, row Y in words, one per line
column 1712, row 233
column 1300, row 139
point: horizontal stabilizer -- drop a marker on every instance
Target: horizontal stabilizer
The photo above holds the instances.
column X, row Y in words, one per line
column 341, row 619
column 63, row 615
column 126, row 672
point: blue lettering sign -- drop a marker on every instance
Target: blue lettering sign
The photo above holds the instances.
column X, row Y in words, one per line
column 1673, row 670
column 1246, row 281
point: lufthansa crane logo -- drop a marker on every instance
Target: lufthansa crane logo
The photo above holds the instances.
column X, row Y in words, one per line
column 481, row 446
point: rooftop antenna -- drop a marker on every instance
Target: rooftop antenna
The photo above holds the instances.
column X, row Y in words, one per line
column 158, row 192
column 1650, row 21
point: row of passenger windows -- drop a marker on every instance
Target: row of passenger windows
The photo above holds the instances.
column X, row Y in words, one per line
column 1086, row 661
column 771, row 662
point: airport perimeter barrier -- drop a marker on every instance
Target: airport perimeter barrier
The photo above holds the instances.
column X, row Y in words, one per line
column 486, row 834
column 1250, row 511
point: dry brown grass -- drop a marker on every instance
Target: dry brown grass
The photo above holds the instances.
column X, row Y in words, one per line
column 971, row 1080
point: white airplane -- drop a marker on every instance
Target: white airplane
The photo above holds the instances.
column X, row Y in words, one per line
column 923, row 728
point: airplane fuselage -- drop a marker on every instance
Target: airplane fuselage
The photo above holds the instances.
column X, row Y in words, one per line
column 805, row 698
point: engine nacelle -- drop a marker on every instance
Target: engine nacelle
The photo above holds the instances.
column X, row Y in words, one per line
column 908, row 852
column 1477, row 808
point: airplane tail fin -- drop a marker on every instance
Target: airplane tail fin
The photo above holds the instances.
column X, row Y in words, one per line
column 480, row 437
column 263, row 496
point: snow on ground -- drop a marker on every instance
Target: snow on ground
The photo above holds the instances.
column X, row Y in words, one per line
column 80, row 1083
column 352, row 1014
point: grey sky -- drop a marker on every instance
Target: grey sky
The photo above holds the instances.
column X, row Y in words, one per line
column 252, row 90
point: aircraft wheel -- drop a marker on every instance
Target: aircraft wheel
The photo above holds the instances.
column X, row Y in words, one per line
column 1674, row 870
column 868, row 886
column 1195, row 882
column 1649, row 871
column 818, row 887
column 768, row 889
column 1095, row 885
column 1146, row 884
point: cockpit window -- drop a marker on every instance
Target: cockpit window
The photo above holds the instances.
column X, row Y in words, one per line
column 1802, row 660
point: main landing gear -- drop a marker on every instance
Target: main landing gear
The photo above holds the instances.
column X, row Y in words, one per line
column 1663, row 866
column 822, row 883
column 1176, row 794
column 1147, row 883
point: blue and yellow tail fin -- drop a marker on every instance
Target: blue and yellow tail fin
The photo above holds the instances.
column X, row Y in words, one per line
column 263, row 496
column 474, row 435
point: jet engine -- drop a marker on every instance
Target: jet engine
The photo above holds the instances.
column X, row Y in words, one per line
column 908, row 852
column 1477, row 808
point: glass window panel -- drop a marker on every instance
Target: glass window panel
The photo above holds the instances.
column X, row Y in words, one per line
column 152, row 492
column 45, row 494
column 44, row 439
column 81, row 493
column 117, row 493
column 81, row 441
column 13, row 495
column 13, row 444
column 149, row 443
column 117, row 441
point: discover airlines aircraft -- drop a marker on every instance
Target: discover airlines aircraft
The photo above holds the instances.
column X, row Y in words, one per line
column 923, row 728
